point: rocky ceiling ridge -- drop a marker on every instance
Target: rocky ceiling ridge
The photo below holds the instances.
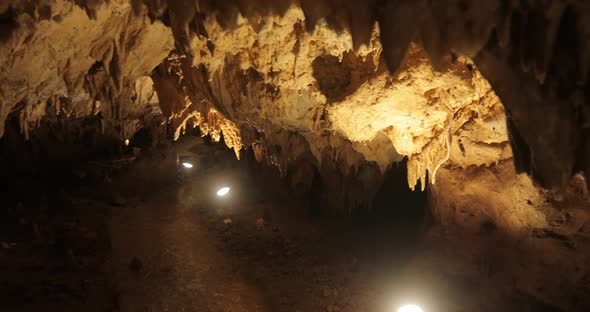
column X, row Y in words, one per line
column 263, row 78
column 251, row 68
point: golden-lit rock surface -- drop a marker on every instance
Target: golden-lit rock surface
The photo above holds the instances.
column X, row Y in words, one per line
column 342, row 101
column 286, row 85
column 63, row 59
column 516, row 239
column 316, row 68
column 301, row 66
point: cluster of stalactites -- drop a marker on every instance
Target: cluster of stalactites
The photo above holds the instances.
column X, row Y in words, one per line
column 185, row 102
column 535, row 55
column 497, row 35
column 61, row 59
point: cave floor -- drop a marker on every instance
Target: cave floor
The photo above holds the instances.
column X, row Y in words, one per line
column 153, row 241
column 249, row 252
column 145, row 240
column 182, row 266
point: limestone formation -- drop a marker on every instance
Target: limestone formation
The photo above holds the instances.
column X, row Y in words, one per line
column 359, row 82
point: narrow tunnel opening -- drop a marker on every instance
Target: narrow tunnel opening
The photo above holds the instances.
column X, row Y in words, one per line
column 393, row 228
column 143, row 138
column 397, row 204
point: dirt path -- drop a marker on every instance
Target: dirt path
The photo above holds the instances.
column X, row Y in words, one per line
column 256, row 250
column 182, row 267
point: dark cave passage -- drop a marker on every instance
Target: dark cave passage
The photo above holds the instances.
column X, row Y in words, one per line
column 394, row 201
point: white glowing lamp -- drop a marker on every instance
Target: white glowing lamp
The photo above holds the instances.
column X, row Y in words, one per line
column 187, row 165
column 126, row 142
column 410, row 308
column 223, row 191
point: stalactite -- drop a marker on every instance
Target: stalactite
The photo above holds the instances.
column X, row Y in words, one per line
column 252, row 64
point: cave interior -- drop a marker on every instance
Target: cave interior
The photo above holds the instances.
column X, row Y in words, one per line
column 294, row 155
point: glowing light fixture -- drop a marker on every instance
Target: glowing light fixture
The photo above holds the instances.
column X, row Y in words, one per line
column 187, row 165
column 126, row 142
column 410, row 308
column 223, row 191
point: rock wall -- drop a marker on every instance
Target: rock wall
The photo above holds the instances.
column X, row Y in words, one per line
column 509, row 240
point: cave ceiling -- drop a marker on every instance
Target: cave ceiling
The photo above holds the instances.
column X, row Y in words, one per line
column 454, row 83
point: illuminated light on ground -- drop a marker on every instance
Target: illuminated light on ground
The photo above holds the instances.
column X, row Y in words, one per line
column 223, row 191
column 410, row 308
column 187, row 165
